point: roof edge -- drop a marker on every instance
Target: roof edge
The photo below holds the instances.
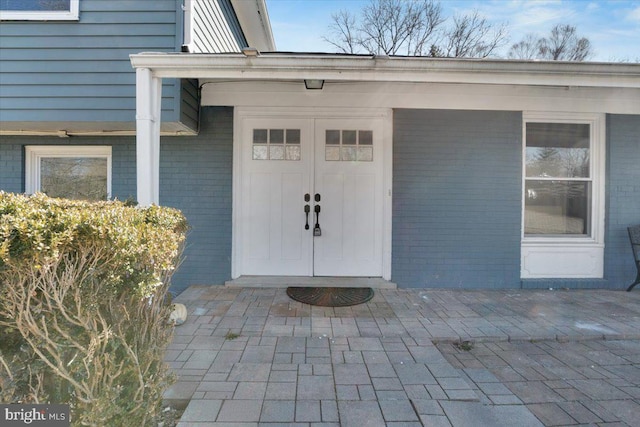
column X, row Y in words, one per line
column 390, row 69
column 256, row 26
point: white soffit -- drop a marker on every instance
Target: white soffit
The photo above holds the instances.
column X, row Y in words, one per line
column 274, row 67
column 254, row 20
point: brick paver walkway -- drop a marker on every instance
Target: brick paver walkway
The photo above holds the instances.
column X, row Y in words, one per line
column 535, row 358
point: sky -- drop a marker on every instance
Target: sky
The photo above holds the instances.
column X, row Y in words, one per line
column 612, row 26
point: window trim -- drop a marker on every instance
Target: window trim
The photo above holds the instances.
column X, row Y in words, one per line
column 572, row 257
column 34, row 154
column 73, row 14
column 597, row 140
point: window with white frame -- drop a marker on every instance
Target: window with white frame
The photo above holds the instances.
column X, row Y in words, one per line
column 558, row 180
column 71, row 172
column 39, row 10
column 563, row 195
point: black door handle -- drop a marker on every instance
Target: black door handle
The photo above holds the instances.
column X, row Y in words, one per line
column 316, row 228
column 307, row 209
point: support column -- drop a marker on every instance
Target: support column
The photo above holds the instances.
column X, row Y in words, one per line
column 148, row 108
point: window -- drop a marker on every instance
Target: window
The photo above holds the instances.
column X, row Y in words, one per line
column 563, row 195
column 348, row 145
column 40, row 10
column 558, row 179
column 276, row 144
column 72, row 172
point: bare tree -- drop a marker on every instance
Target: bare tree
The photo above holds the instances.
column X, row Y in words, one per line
column 527, row 48
column 562, row 44
column 343, row 30
column 413, row 28
column 473, row 36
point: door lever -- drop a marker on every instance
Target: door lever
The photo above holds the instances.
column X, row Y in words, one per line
column 316, row 228
column 307, row 209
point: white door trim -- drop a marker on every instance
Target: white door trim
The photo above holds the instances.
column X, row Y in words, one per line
column 243, row 113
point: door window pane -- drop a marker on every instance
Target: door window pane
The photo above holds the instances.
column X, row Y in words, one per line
column 276, row 144
column 74, row 178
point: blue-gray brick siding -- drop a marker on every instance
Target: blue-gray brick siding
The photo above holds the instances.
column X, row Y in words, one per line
column 623, row 197
column 457, row 182
column 196, row 177
column 123, row 158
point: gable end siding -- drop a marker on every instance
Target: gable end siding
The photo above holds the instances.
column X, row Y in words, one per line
column 80, row 70
column 457, row 182
column 215, row 28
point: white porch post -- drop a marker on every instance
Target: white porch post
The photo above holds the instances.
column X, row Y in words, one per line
column 148, row 99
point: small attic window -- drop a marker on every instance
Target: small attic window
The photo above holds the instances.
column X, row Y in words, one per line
column 39, row 10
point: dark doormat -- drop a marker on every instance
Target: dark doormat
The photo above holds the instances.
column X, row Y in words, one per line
column 330, row 297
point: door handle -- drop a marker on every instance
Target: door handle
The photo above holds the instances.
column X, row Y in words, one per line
column 307, row 209
column 316, row 228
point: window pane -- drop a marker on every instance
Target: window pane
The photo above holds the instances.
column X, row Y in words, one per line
column 557, row 150
column 366, row 137
column 293, row 136
column 276, row 136
column 332, row 137
column 259, row 136
column 349, row 137
column 74, row 178
column 557, row 208
column 35, row 5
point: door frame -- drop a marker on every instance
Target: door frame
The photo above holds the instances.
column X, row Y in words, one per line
column 241, row 114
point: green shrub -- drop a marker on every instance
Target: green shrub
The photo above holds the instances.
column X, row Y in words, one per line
column 83, row 312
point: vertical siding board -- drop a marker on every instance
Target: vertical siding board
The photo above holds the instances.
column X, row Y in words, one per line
column 216, row 28
column 457, row 199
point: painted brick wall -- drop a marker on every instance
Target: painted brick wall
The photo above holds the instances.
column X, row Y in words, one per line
column 457, row 199
column 195, row 177
column 123, row 151
column 11, row 165
column 623, row 197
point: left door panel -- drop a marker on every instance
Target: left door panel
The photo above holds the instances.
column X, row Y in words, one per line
column 277, row 170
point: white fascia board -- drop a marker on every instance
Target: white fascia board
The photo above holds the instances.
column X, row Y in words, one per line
column 256, row 26
column 275, row 67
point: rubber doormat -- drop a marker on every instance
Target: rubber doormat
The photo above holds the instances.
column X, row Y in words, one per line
column 330, row 297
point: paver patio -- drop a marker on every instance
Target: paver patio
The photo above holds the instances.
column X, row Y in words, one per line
column 542, row 357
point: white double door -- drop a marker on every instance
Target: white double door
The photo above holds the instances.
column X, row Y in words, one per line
column 293, row 165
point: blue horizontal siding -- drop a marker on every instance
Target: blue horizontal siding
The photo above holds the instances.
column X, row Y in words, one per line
column 457, row 199
column 80, row 70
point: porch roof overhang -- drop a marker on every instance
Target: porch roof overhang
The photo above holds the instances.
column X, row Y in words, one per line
column 152, row 67
column 335, row 67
